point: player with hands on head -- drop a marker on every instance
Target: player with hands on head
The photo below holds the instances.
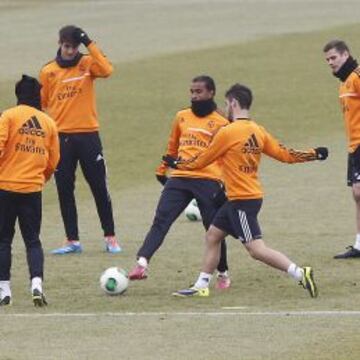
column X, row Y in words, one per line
column 239, row 146
column 68, row 95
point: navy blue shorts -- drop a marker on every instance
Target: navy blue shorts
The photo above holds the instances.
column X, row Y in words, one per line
column 239, row 219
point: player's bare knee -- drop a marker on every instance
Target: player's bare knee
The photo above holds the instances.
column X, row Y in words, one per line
column 213, row 236
column 256, row 249
column 255, row 253
column 210, row 238
column 356, row 192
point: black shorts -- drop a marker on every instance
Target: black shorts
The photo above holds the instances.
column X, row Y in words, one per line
column 239, row 219
column 353, row 172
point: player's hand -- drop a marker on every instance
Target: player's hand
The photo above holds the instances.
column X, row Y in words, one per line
column 170, row 161
column 162, row 179
column 321, row 153
column 81, row 36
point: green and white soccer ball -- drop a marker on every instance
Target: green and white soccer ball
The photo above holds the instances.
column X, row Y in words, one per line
column 192, row 211
column 114, row 281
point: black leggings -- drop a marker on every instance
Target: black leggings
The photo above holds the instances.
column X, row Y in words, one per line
column 177, row 194
column 27, row 209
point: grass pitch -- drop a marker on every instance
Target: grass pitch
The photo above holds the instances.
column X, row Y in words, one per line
column 307, row 213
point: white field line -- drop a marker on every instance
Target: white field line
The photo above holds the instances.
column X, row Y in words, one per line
column 319, row 313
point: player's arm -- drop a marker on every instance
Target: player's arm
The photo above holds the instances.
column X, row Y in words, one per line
column 44, row 89
column 219, row 146
column 281, row 153
column 171, row 150
column 4, row 134
column 54, row 153
column 357, row 82
column 101, row 66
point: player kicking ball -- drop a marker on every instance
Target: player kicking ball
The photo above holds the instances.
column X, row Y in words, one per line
column 239, row 146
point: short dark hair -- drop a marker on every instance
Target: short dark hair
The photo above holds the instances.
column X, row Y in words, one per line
column 27, row 91
column 66, row 34
column 242, row 94
column 339, row 45
column 209, row 82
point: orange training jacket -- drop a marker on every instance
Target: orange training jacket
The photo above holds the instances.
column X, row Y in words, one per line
column 349, row 94
column 239, row 146
column 189, row 135
column 29, row 149
column 68, row 94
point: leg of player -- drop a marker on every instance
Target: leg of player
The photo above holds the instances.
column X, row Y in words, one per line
column 30, row 213
column 8, row 215
column 213, row 239
column 93, row 166
column 354, row 251
column 65, row 184
column 259, row 251
column 171, row 204
column 223, row 280
column 210, row 197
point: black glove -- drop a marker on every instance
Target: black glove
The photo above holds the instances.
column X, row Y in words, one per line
column 321, row 153
column 162, row 179
column 170, row 161
column 81, row 36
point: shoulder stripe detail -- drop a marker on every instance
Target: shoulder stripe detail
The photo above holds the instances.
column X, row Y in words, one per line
column 349, row 95
column 75, row 78
column 203, row 131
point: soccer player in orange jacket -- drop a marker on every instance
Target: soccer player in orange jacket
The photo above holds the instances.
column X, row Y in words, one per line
column 239, row 146
column 192, row 130
column 29, row 153
column 68, row 95
column 346, row 69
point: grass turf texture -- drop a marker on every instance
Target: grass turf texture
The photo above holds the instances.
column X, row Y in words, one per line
column 308, row 214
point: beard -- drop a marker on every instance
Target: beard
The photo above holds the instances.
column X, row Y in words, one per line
column 202, row 108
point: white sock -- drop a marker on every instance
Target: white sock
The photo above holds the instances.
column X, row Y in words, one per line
column 295, row 272
column 357, row 242
column 36, row 283
column 5, row 288
column 142, row 262
column 223, row 274
column 203, row 280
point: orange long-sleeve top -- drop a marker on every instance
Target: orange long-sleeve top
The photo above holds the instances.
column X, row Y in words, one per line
column 189, row 135
column 68, row 94
column 349, row 94
column 29, row 149
column 239, row 146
